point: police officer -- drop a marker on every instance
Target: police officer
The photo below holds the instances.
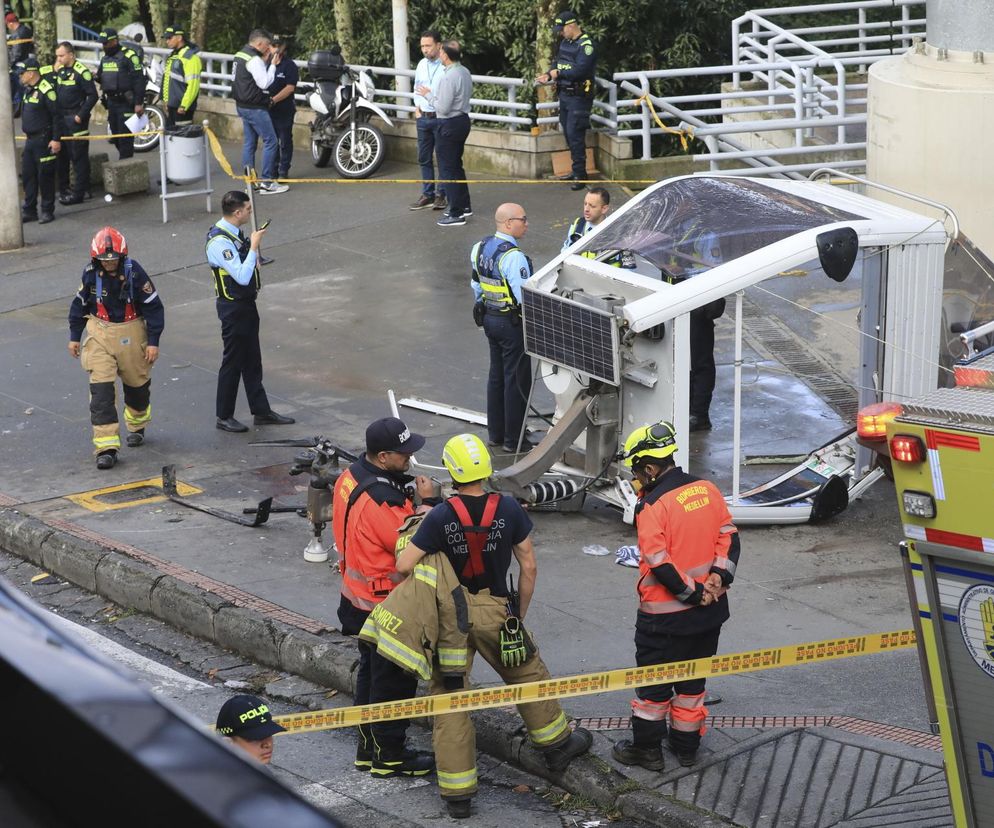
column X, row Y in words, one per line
column 499, row 268
column 479, row 533
column 574, row 77
column 689, row 549
column 120, row 310
column 180, row 78
column 247, row 721
column 371, row 502
column 596, row 205
column 234, row 262
column 77, row 95
column 42, row 128
column 122, row 83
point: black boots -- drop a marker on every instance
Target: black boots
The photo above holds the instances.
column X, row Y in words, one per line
column 106, row 459
column 404, row 763
column 628, row 753
column 558, row 758
column 458, row 808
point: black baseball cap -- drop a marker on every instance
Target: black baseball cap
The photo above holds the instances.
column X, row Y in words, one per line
column 247, row 717
column 107, row 34
column 27, row 65
column 390, row 434
column 564, row 18
column 172, row 30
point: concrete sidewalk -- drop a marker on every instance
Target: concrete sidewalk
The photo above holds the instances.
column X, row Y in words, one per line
column 366, row 296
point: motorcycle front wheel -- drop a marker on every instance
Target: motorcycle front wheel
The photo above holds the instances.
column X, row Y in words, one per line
column 156, row 121
column 362, row 160
column 320, row 153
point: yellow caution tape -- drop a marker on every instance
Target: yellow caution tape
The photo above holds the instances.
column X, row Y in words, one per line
column 683, row 133
column 590, row 683
column 100, row 137
column 19, row 41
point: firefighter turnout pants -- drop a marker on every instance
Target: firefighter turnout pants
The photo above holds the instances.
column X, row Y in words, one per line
column 454, row 737
column 110, row 350
column 679, row 705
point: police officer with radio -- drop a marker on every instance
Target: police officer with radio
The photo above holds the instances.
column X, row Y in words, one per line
column 77, row 95
column 499, row 269
column 574, row 76
column 122, row 82
column 43, row 132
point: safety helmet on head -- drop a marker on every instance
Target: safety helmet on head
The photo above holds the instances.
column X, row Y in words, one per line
column 108, row 244
column 467, row 459
column 649, row 442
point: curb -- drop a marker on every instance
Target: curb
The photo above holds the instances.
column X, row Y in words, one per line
column 326, row 659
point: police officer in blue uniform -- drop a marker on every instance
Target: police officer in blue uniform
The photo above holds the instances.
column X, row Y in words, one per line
column 42, row 128
column 574, row 76
column 234, row 262
column 122, row 81
column 77, row 95
column 499, row 269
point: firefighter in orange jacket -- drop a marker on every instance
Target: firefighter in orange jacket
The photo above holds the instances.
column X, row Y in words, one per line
column 371, row 502
column 689, row 549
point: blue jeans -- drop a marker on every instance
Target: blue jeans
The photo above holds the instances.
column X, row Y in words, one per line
column 426, row 150
column 256, row 124
column 283, row 124
column 510, row 378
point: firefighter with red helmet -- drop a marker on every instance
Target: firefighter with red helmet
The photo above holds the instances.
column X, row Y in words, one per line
column 122, row 315
column 689, row 549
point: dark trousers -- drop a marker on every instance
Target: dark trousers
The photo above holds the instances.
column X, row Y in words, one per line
column 283, row 124
column 427, row 131
column 389, row 683
column 363, row 682
column 38, row 172
column 510, row 378
column 241, row 359
column 574, row 118
column 173, row 117
column 118, row 111
column 702, row 368
column 450, row 141
column 665, row 649
column 77, row 153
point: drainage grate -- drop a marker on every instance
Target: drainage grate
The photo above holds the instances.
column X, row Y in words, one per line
column 795, row 354
column 128, row 495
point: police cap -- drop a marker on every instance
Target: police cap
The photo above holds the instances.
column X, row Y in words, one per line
column 247, row 717
column 29, row 64
column 564, row 18
column 171, row 31
column 107, row 34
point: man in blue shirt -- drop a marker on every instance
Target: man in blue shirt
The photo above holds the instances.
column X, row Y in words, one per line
column 499, row 269
column 427, row 75
column 234, row 262
column 283, row 107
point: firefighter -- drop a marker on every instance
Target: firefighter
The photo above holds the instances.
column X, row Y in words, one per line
column 371, row 502
column 121, row 311
column 689, row 549
column 479, row 533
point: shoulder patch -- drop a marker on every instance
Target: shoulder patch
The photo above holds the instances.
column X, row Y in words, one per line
column 228, row 254
column 148, row 287
column 588, row 49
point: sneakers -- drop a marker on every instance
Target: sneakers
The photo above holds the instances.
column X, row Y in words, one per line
column 424, row 201
column 136, row 438
column 628, row 753
column 272, row 188
column 467, row 212
column 106, row 459
column 458, row 808
column 407, row 763
column 451, row 221
column 558, row 758
column 440, row 203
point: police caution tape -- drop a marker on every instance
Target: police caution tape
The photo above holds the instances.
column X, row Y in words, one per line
column 590, row 683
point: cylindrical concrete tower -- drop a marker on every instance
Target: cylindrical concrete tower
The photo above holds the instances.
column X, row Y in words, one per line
column 930, row 119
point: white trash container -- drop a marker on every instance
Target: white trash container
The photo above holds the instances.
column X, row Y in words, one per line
column 185, row 154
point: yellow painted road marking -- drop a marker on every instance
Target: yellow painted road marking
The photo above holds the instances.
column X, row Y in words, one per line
column 91, row 500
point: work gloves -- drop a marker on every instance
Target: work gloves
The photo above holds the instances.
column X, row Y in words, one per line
column 515, row 648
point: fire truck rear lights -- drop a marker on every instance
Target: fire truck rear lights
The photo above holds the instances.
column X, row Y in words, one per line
column 918, row 504
column 871, row 422
column 973, row 377
column 906, row 448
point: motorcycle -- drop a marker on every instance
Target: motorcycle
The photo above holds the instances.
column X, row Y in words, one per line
column 341, row 131
column 154, row 107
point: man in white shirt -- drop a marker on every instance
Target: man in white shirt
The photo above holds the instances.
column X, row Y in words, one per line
column 427, row 75
column 254, row 74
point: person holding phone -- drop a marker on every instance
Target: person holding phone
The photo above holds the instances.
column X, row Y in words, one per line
column 234, row 263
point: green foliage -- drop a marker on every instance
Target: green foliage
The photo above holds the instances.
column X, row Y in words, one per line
column 94, row 14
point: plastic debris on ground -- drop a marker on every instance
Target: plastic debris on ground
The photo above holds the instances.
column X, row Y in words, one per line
column 596, row 549
column 627, row 556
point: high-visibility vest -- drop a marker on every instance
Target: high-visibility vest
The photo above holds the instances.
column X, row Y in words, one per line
column 225, row 286
column 181, row 78
column 497, row 294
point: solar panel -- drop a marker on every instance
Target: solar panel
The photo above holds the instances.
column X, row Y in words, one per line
column 571, row 334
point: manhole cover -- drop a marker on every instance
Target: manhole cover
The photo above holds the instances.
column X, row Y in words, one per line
column 128, row 495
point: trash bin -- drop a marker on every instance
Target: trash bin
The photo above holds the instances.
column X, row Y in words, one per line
column 185, row 153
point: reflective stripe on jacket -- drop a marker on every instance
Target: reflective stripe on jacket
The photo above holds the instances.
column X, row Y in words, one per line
column 497, row 295
column 181, row 78
column 225, row 287
column 424, row 621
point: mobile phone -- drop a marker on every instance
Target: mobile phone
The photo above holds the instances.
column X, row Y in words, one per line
column 265, row 224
